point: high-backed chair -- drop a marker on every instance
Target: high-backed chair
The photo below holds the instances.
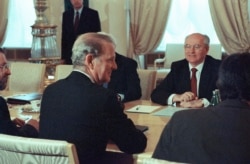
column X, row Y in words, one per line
column 154, row 161
column 14, row 149
column 26, row 77
column 175, row 52
column 147, row 82
column 63, row 71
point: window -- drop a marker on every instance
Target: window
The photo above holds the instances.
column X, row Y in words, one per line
column 186, row 17
column 21, row 17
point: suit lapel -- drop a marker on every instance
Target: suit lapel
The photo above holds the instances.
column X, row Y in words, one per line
column 206, row 75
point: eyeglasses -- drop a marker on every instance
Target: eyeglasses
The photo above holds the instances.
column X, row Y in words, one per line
column 5, row 66
column 196, row 46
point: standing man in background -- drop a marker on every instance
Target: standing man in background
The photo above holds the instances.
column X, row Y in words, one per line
column 76, row 21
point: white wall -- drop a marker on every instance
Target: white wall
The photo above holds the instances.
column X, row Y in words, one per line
column 113, row 20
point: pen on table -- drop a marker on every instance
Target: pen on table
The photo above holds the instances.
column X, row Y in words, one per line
column 137, row 108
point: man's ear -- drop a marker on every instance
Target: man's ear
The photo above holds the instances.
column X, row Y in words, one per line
column 89, row 60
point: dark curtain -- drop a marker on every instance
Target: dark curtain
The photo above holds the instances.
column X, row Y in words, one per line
column 67, row 4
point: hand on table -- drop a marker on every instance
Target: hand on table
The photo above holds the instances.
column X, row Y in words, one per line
column 187, row 96
column 18, row 122
column 34, row 123
column 197, row 103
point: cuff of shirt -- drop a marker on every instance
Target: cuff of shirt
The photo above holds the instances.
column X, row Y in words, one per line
column 170, row 100
column 205, row 102
column 122, row 96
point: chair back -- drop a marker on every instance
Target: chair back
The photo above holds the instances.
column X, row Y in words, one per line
column 154, row 161
column 26, row 77
column 175, row 52
column 15, row 149
column 147, row 82
column 63, row 71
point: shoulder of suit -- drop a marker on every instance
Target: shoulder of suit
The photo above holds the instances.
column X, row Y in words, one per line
column 209, row 58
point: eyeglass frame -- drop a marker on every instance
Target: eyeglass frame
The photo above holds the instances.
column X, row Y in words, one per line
column 195, row 46
column 5, row 66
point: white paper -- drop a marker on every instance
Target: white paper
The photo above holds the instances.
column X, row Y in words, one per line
column 143, row 109
column 169, row 111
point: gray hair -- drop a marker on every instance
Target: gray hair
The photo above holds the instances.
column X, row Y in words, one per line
column 89, row 43
column 206, row 38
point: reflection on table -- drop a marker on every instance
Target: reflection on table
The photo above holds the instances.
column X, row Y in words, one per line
column 155, row 124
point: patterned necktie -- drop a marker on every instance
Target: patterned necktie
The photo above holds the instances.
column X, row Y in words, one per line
column 194, row 81
column 76, row 22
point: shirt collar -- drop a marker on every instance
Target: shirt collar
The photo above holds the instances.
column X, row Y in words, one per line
column 76, row 70
column 198, row 67
column 80, row 11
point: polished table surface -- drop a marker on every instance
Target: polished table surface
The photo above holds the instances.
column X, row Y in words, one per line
column 154, row 123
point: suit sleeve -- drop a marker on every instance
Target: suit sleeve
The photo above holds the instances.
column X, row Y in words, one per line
column 122, row 130
column 95, row 23
column 162, row 150
column 133, row 91
column 8, row 127
column 161, row 93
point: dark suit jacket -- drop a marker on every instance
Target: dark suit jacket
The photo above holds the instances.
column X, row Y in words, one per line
column 89, row 22
column 218, row 134
column 178, row 80
column 8, row 127
column 125, row 79
column 78, row 111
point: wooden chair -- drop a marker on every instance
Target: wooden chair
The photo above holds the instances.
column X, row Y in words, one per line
column 62, row 71
column 14, row 149
column 26, row 77
column 147, row 82
column 154, row 161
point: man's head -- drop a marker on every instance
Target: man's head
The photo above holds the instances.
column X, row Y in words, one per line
column 94, row 53
column 196, row 48
column 77, row 4
column 234, row 77
column 4, row 70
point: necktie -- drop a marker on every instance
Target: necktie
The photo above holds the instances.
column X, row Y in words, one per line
column 194, row 81
column 76, row 22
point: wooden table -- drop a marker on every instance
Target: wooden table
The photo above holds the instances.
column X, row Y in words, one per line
column 155, row 124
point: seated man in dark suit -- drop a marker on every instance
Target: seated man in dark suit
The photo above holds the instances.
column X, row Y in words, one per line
column 80, row 110
column 177, row 88
column 7, row 126
column 218, row 134
column 125, row 80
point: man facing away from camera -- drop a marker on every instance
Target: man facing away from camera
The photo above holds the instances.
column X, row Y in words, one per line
column 80, row 110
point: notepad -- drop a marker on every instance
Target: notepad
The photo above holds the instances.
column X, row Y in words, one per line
column 169, row 111
column 24, row 98
column 142, row 109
